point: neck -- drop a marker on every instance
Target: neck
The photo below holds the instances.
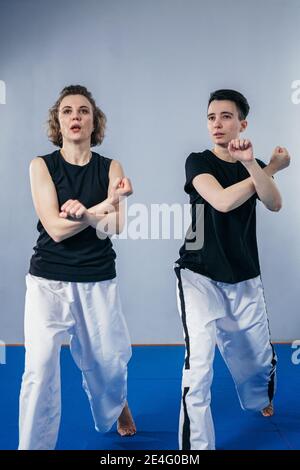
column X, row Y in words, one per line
column 223, row 153
column 77, row 154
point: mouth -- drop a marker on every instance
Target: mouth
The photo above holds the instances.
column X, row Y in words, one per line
column 218, row 134
column 75, row 128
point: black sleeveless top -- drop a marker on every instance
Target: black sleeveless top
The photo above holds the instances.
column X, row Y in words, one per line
column 82, row 257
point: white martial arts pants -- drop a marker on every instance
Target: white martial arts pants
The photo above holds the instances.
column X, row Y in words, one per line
column 100, row 345
column 234, row 317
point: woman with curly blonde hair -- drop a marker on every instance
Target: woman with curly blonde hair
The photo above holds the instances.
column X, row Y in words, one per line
column 71, row 284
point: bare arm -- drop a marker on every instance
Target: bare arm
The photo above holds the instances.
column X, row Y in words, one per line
column 260, row 181
column 225, row 200
column 119, row 188
column 46, row 203
column 265, row 187
column 56, row 223
column 242, row 150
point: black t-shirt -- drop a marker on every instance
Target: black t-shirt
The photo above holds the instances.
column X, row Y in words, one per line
column 226, row 246
column 82, row 257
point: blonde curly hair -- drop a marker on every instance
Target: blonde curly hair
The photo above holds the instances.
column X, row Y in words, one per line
column 54, row 133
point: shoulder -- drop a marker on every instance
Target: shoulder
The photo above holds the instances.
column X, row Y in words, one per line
column 198, row 159
column 116, row 169
column 41, row 161
column 113, row 167
column 101, row 160
column 197, row 164
column 44, row 163
column 198, row 156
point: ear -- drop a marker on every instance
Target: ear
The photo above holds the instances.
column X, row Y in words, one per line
column 244, row 125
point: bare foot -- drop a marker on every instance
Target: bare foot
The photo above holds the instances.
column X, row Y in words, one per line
column 268, row 410
column 126, row 426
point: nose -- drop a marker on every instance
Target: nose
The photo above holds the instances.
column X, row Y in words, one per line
column 217, row 122
column 75, row 115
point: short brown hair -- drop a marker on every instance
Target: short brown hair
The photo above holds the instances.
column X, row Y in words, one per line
column 54, row 133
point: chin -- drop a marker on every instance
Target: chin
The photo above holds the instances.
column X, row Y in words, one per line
column 77, row 138
column 220, row 142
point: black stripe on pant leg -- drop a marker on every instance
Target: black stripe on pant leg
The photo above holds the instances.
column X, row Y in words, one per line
column 186, row 432
column 271, row 384
column 183, row 318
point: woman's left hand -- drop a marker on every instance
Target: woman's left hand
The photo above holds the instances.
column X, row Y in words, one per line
column 120, row 188
column 73, row 209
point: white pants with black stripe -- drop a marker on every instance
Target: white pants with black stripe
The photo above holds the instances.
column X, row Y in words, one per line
column 100, row 345
column 234, row 317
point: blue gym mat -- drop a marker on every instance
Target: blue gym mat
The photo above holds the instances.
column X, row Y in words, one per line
column 154, row 397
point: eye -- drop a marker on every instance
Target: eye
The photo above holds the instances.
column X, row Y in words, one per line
column 66, row 111
column 85, row 111
column 227, row 116
column 211, row 118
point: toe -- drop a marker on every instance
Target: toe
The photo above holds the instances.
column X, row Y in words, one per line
column 268, row 410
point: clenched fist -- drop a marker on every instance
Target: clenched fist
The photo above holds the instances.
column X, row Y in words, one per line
column 242, row 150
column 72, row 209
column 280, row 159
column 120, row 188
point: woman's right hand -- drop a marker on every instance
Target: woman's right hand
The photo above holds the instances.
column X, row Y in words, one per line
column 73, row 209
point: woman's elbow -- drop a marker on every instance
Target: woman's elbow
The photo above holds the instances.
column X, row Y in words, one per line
column 55, row 235
column 276, row 208
column 222, row 206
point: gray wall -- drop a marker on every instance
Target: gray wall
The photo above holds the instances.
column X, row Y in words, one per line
column 151, row 65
